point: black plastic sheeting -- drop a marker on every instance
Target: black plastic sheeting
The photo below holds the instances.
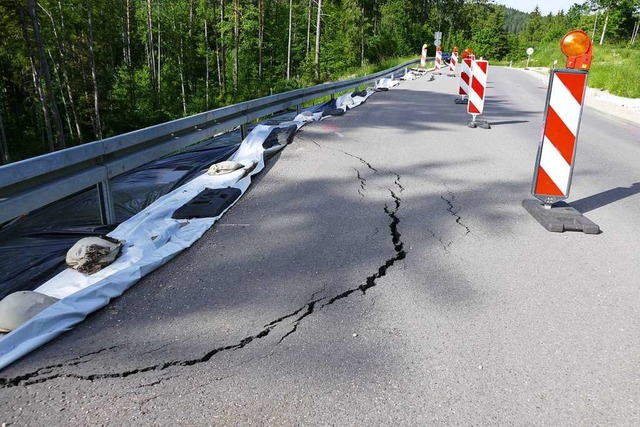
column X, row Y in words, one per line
column 33, row 248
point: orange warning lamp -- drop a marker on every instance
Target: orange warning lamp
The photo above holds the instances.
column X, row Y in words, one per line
column 439, row 48
column 455, row 49
column 577, row 47
column 466, row 53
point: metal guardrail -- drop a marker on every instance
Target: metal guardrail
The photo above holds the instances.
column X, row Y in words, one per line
column 33, row 183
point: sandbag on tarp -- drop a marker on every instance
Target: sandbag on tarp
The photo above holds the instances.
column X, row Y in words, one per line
column 33, row 248
column 29, row 261
column 225, row 167
column 387, row 83
column 91, row 254
column 18, row 307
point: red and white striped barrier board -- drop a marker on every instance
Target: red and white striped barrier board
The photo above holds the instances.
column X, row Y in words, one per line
column 438, row 61
column 423, row 57
column 465, row 77
column 477, row 87
column 557, row 149
column 453, row 62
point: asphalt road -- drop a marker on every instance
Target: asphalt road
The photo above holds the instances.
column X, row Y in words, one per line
column 381, row 271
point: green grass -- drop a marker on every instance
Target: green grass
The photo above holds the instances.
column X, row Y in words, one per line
column 615, row 69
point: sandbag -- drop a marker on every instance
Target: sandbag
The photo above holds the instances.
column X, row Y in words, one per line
column 225, row 167
column 18, row 307
column 91, row 254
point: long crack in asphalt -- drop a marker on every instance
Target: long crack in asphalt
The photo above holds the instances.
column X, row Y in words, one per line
column 40, row 375
column 451, row 209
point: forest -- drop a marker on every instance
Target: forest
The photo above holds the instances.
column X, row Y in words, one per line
column 81, row 70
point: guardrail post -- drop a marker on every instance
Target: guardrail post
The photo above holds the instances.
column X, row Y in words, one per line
column 298, row 109
column 243, row 131
column 105, row 198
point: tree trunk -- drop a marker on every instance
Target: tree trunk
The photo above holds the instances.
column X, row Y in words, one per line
column 223, row 59
column 35, row 77
column 604, row 28
column 128, row 58
column 45, row 72
column 236, row 43
column 634, row 34
column 362, row 22
column 4, row 149
column 182, row 91
column 56, row 72
column 151, row 51
column 65, row 75
column 317, row 55
column 260, row 35
column 289, row 40
column 206, row 61
column 97, row 126
column 309, row 9
column 158, row 43
column 216, row 36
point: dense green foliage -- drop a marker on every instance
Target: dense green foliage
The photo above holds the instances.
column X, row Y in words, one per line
column 80, row 70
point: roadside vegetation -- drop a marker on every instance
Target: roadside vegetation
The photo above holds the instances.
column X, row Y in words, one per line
column 615, row 69
column 82, row 70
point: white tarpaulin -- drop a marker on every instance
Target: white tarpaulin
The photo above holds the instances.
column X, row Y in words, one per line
column 150, row 239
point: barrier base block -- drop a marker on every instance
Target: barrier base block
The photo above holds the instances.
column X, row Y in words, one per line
column 479, row 124
column 560, row 217
column 464, row 101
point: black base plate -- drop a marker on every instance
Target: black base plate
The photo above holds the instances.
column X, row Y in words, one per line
column 461, row 101
column 560, row 217
column 479, row 124
column 209, row 203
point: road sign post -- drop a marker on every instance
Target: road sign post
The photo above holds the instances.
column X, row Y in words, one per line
column 529, row 53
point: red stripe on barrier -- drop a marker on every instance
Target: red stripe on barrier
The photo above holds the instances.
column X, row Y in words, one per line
column 560, row 135
column 574, row 83
column 545, row 185
column 465, row 78
column 477, row 87
column 472, row 109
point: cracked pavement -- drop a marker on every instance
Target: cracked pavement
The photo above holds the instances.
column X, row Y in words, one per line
column 380, row 271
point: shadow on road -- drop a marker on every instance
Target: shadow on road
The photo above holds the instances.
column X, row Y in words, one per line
column 599, row 200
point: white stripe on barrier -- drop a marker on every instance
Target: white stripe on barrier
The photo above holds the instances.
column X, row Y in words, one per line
column 476, row 102
column 565, row 105
column 555, row 165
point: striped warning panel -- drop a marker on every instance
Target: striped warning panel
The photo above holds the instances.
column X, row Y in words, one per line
column 557, row 150
column 438, row 61
column 453, row 62
column 477, row 86
column 465, row 76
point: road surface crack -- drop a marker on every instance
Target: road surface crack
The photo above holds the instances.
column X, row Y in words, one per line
column 398, row 246
column 453, row 211
column 363, row 182
column 300, row 314
column 363, row 161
